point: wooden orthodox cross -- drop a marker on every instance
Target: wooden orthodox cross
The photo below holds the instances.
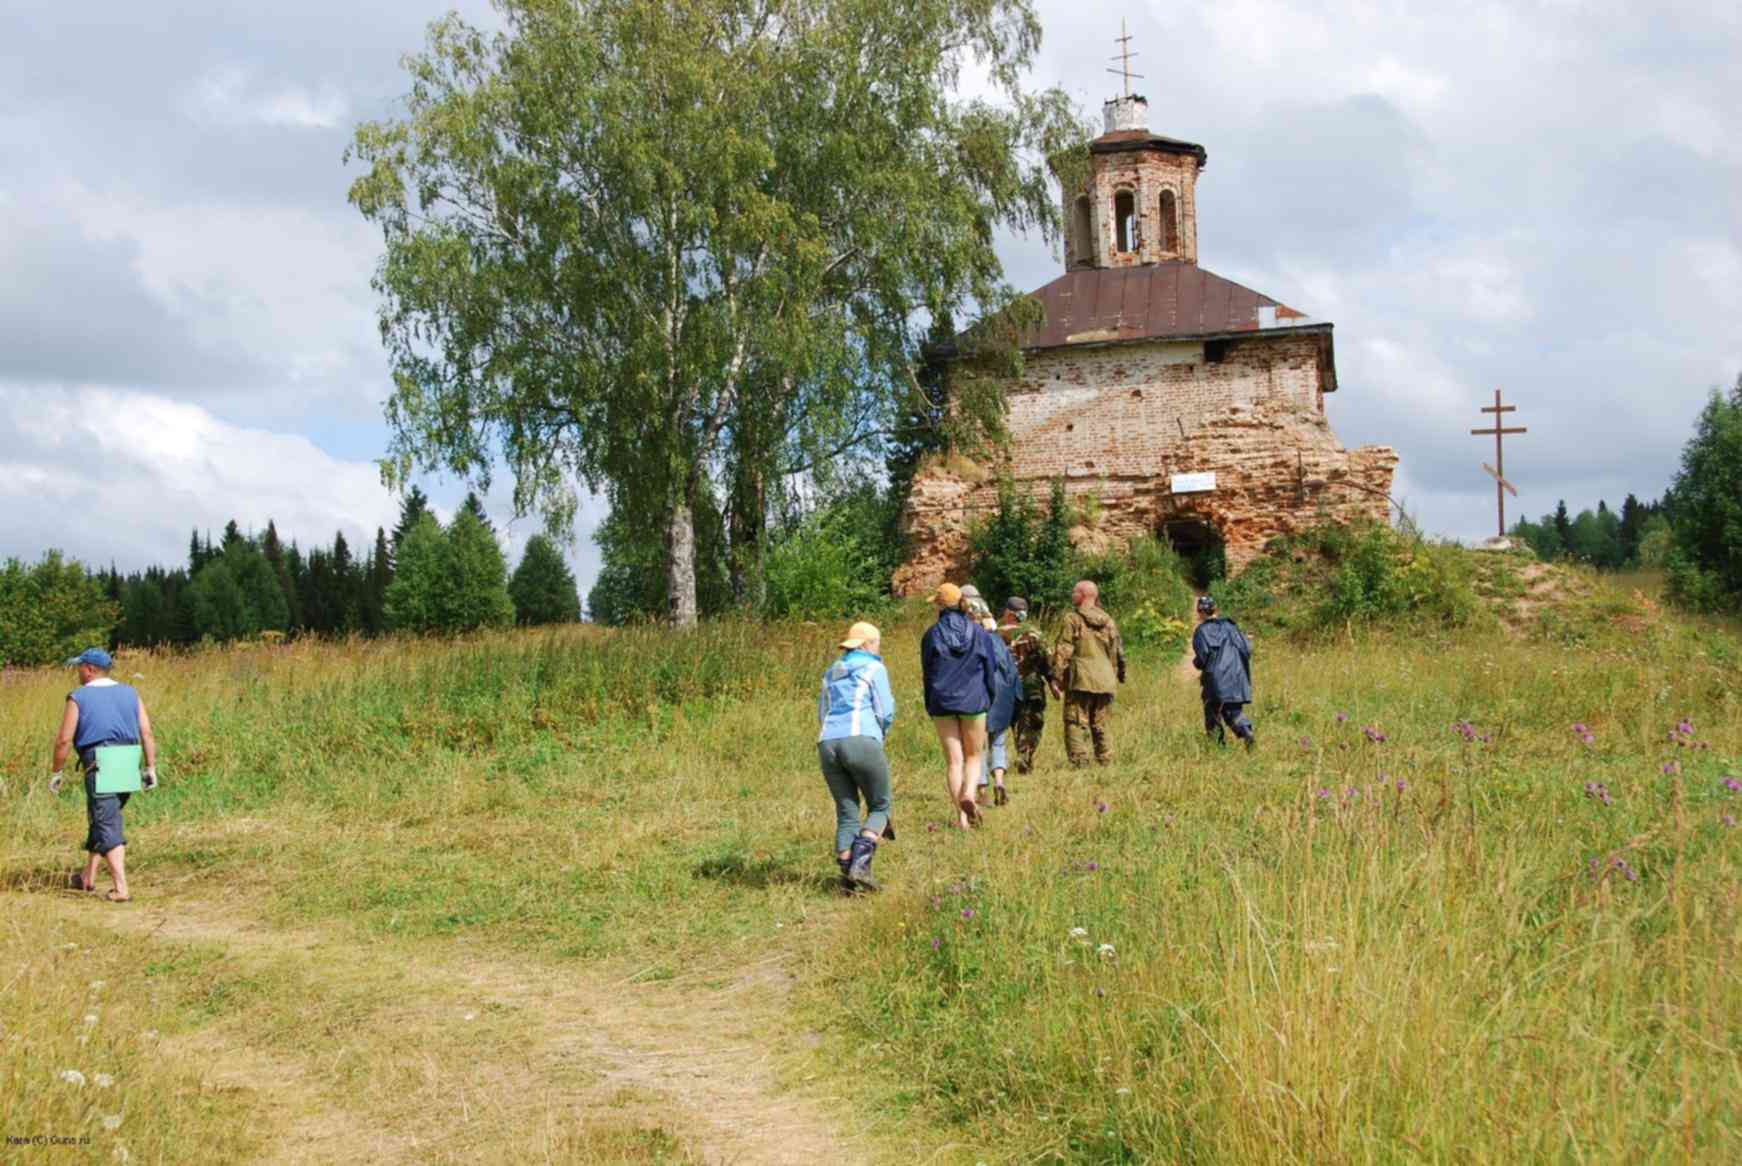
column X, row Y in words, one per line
column 1497, row 471
column 1124, row 57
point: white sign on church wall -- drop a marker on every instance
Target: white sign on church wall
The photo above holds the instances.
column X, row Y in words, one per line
column 1194, row 483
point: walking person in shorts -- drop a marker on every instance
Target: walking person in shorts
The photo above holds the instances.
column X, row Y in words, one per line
column 956, row 661
column 106, row 719
column 855, row 710
column 1223, row 657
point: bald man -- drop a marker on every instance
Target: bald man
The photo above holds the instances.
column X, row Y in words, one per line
column 1089, row 662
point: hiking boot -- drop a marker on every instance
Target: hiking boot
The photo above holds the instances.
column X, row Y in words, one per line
column 889, row 830
column 859, row 864
column 1000, row 796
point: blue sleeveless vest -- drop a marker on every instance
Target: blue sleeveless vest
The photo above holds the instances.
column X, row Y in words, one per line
column 108, row 715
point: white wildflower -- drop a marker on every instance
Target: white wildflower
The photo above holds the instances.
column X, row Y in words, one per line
column 121, row 1154
column 103, row 1080
column 73, row 1077
column 1122, row 1092
column 471, row 1016
column 1105, row 951
column 97, row 985
column 90, row 1018
column 111, row 1122
column 1080, row 934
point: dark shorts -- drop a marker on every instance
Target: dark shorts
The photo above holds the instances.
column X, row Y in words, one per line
column 103, row 812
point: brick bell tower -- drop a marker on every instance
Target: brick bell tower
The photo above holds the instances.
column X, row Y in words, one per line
column 1139, row 205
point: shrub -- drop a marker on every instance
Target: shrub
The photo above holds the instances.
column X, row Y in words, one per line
column 1017, row 551
column 1385, row 574
column 823, row 568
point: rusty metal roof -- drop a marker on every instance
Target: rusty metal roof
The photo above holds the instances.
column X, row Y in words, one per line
column 1122, row 141
column 1158, row 301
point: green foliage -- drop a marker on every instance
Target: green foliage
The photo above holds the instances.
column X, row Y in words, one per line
column 1705, row 504
column 415, row 599
column 236, row 595
column 543, row 587
column 758, row 204
column 1386, row 574
column 50, row 610
column 449, row 581
column 825, row 567
column 1017, row 551
column 1656, row 541
column 1145, row 588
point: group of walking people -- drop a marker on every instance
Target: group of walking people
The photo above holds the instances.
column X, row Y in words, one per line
column 986, row 681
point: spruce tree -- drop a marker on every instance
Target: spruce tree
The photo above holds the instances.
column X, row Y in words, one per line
column 414, row 506
column 543, row 587
column 478, row 592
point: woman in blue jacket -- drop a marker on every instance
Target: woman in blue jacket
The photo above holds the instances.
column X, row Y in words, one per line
column 959, row 671
column 855, row 709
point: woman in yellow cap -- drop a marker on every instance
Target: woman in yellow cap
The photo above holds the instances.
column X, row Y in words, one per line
column 855, row 709
column 960, row 678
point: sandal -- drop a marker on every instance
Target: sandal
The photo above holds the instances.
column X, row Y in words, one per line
column 114, row 898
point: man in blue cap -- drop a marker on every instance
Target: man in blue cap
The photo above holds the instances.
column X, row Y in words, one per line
column 1223, row 657
column 103, row 715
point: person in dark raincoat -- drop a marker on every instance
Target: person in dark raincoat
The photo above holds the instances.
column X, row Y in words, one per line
column 1223, row 657
column 955, row 658
column 1006, row 695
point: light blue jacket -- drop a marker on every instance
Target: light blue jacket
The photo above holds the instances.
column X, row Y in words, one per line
column 856, row 700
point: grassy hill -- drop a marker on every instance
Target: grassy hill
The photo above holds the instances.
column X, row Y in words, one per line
column 569, row 896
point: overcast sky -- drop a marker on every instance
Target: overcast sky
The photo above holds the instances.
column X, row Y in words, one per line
column 1544, row 197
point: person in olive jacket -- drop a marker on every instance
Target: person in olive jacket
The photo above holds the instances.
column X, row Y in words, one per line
column 1088, row 665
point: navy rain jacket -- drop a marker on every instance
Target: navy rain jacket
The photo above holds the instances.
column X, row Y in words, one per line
column 960, row 673
column 1007, row 690
column 1220, row 651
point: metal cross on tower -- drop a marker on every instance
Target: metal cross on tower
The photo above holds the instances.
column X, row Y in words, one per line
column 1124, row 57
column 1497, row 471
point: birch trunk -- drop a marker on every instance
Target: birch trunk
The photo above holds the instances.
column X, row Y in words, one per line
column 680, row 564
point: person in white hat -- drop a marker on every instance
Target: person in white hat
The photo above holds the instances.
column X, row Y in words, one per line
column 855, row 710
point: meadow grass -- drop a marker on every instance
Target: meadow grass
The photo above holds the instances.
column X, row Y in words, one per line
column 1349, row 946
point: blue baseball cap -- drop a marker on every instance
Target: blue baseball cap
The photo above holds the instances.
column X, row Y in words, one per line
column 95, row 657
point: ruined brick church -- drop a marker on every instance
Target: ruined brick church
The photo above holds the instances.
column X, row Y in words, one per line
column 1193, row 408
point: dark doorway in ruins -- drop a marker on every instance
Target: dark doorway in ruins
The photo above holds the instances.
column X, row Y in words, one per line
column 1200, row 549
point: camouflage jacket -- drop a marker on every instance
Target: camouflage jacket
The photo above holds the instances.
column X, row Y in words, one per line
column 1033, row 663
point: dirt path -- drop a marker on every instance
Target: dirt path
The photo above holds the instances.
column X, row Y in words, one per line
column 472, row 1057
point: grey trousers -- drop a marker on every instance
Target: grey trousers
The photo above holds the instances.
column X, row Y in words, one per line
column 854, row 768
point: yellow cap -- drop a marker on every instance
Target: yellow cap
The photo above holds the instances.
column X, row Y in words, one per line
column 861, row 634
column 947, row 595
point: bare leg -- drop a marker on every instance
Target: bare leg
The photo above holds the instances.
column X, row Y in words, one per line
column 117, row 860
column 956, row 772
column 92, row 859
column 973, row 747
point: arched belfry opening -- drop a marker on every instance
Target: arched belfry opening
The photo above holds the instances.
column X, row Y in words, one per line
column 1169, row 225
column 1199, row 545
column 1125, row 216
column 1083, row 231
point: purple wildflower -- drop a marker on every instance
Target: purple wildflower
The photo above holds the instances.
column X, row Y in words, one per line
column 1091, row 866
column 1733, row 784
column 1729, row 820
column 1627, row 872
column 1306, row 742
column 967, row 912
column 936, row 943
column 1351, row 793
column 1374, row 735
column 1686, row 728
column 1597, row 792
column 1465, row 730
column 1324, row 792
column 1100, row 807
column 1402, row 785
column 1671, row 768
column 1341, row 717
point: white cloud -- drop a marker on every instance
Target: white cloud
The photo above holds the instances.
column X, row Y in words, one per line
column 113, row 475
column 232, row 95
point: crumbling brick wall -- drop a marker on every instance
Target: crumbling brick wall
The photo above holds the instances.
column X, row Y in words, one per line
column 1119, row 420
